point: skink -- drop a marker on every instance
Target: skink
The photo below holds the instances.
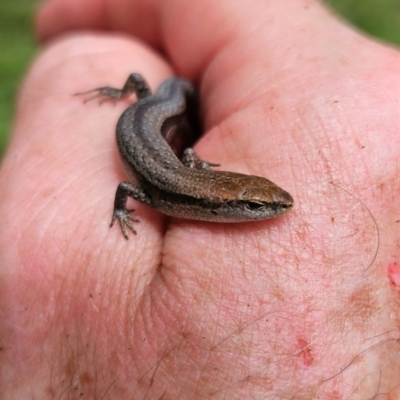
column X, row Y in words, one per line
column 186, row 188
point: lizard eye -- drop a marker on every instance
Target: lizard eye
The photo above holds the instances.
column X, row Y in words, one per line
column 254, row 206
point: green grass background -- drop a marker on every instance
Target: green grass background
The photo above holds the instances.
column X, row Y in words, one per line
column 18, row 46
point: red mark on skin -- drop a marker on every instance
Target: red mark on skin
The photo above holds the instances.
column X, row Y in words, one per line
column 330, row 396
column 394, row 274
column 305, row 353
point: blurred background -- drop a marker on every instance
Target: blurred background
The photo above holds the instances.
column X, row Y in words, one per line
column 18, row 46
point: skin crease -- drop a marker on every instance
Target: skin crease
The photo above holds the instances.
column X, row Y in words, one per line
column 299, row 307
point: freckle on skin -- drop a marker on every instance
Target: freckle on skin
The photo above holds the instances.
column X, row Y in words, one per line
column 394, row 274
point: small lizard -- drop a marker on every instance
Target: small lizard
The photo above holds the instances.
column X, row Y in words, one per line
column 186, row 188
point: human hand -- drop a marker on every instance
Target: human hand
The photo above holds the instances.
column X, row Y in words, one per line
column 304, row 306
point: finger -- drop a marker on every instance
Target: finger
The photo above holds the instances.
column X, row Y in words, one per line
column 192, row 33
column 62, row 169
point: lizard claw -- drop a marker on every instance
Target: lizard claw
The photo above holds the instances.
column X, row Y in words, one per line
column 124, row 218
column 104, row 93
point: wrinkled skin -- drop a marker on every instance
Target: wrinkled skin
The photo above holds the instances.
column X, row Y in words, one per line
column 305, row 306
